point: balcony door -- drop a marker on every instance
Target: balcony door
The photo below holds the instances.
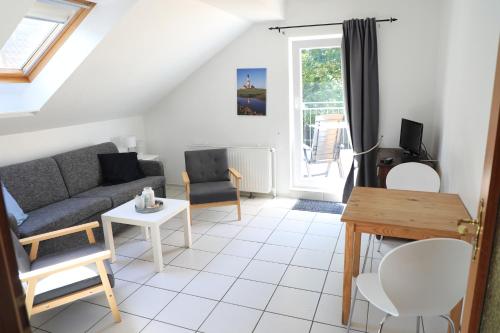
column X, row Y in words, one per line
column 322, row 153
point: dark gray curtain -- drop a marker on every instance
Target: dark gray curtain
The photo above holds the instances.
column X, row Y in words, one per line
column 359, row 57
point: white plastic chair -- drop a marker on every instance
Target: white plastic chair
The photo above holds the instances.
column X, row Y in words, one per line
column 412, row 176
column 422, row 278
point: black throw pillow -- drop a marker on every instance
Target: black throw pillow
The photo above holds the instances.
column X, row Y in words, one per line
column 119, row 168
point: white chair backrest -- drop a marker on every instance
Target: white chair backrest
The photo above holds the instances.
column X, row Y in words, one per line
column 413, row 176
column 426, row 277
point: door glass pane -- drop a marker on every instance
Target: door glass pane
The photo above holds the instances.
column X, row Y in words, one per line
column 327, row 152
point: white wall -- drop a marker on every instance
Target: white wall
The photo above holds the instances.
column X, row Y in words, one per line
column 203, row 108
column 467, row 95
column 31, row 145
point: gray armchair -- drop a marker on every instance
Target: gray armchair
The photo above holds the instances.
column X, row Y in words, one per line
column 207, row 180
column 56, row 279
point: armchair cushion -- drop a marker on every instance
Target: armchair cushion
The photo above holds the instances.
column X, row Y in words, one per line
column 23, row 261
column 207, row 165
column 73, row 280
column 212, row 192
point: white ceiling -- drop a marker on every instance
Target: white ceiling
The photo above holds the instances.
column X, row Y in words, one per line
column 152, row 48
column 254, row 10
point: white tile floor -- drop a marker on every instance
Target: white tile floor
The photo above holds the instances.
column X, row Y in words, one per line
column 278, row 270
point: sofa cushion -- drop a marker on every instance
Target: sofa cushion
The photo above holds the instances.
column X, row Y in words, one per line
column 62, row 214
column 207, row 165
column 212, row 192
column 66, row 282
column 122, row 193
column 152, row 168
column 80, row 168
column 34, row 184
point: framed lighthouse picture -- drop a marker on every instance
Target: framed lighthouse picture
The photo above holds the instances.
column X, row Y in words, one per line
column 251, row 93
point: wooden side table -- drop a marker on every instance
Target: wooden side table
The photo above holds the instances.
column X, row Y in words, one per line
column 397, row 158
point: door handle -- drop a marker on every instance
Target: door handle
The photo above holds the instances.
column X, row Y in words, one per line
column 464, row 223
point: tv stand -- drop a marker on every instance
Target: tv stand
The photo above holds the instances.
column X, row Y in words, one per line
column 398, row 156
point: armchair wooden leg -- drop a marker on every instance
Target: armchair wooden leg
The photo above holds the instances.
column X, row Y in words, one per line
column 90, row 236
column 30, row 296
column 34, row 250
column 108, row 291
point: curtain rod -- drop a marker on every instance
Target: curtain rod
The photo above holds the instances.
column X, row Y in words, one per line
column 279, row 28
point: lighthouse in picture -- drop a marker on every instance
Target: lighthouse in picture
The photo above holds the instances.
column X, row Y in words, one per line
column 248, row 83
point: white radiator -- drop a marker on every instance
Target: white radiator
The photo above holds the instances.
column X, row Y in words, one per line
column 257, row 166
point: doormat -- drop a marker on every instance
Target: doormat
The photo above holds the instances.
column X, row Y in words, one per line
column 319, row 206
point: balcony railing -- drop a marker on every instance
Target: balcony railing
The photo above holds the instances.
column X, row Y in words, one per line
column 312, row 109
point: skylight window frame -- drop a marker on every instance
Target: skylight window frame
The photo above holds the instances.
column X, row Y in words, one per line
column 44, row 53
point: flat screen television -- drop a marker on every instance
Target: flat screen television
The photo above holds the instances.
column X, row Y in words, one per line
column 411, row 136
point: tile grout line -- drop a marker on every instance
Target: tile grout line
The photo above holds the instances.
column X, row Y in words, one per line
column 326, row 278
column 232, row 238
column 220, row 252
column 278, row 284
column 239, row 276
column 200, row 271
column 236, row 279
column 144, row 284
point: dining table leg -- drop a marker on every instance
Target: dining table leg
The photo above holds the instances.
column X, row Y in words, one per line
column 348, row 272
column 356, row 254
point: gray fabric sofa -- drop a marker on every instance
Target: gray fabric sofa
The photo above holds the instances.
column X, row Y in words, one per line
column 66, row 189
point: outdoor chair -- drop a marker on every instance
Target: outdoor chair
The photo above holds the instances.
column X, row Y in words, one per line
column 326, row 143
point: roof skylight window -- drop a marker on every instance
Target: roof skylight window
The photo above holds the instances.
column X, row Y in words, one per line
column 38, row 36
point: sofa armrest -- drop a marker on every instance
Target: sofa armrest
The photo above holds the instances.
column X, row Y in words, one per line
column 152, row 168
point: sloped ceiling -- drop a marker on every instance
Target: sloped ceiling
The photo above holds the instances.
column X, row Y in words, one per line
column 151, row 49
column 256, row 10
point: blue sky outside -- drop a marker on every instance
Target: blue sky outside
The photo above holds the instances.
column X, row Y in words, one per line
column 257, row 76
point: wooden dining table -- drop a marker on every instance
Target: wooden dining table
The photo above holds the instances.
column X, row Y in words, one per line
column 396, row 213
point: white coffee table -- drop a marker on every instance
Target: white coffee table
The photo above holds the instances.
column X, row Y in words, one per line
column 126, row 214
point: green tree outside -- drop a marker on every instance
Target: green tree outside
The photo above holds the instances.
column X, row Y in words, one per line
column 322, row 86
column 322, row 75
